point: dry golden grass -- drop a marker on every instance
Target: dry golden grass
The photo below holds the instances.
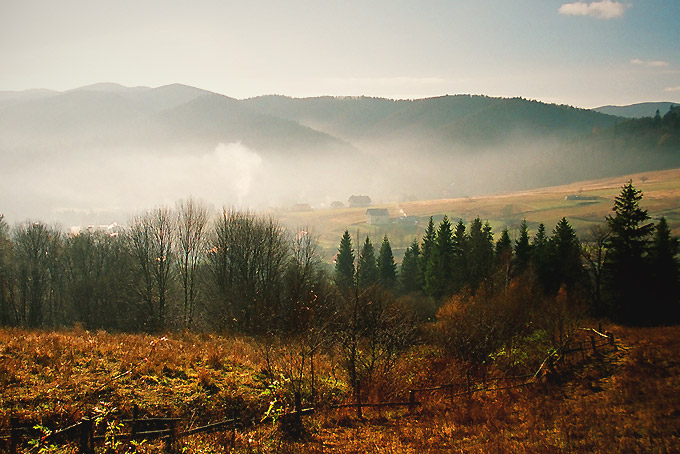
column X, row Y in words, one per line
column 57, row 377
column 548, row 205
column 623, row 401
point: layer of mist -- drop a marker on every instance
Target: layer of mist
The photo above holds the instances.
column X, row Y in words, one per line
column 98, row 154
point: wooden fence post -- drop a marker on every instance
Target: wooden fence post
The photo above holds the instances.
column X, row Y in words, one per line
column 13, row 435
column 599, row 327
column 467, row 376
column 411, row 400
column 135, row 417
column 358, row 393
column 612, row 342
column 298, row 413
column 171, row 443
column 233, row 428
column 86, row 436
column 592, row 342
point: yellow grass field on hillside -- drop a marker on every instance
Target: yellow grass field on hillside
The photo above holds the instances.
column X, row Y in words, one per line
column 583, row 203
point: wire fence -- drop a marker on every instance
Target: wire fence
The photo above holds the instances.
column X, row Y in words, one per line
column 84, row 433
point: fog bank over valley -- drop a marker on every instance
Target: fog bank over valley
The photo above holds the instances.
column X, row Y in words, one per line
column 98, row 154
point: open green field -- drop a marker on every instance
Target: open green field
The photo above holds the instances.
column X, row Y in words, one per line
column 661, row 191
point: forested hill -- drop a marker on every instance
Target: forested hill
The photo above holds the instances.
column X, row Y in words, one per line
column 110, row 116
column 101, row 143
column 640, row 110
column 445, row 120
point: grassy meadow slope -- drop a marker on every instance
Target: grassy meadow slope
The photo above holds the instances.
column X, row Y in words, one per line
column 622, row 401
column 661, row 191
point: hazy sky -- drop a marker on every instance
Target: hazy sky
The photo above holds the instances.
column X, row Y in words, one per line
column 585, row 54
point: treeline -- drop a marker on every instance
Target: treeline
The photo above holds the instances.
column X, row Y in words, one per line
column 657, row 132
column 625, row 269
column 179, row 268
column 185, row 268
column 473, row 297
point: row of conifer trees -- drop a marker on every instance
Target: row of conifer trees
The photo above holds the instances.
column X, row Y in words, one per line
column 625, row 268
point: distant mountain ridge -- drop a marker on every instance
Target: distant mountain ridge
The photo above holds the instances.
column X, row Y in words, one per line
column 162, row 118
column 640, row 110
column 142, row 145
column 150, row 117
column 476, row 120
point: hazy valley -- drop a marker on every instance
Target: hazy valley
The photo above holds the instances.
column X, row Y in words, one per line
column 99, row 153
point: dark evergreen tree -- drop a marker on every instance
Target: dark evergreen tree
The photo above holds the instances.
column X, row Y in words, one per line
column 627, row 273
column 665, row 290
column 408, row 273
column 458, row 279
column 540, row 256
column 504, row 258
column 479, row 253
column 522, row 250
column 440, row 266
column 344, row 263
column 386, row 266
column 504, row 243
column 425, row 252
column 367, row 266
column 565, row 258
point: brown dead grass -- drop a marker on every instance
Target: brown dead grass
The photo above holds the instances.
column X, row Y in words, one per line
column 623, row 401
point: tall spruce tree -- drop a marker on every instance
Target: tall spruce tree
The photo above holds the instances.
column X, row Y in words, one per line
column 386, row 266
column 627, row 273
column 504, row 257
column 344, row 263
column 504, row 243
column 565, row 258
column 522, row 250
column 459, row 252
column 367, row 266
column 540, row 256
column 408, row 273
column 425, row 252
column 665, row 271
column 440, row 266
column 479, row 253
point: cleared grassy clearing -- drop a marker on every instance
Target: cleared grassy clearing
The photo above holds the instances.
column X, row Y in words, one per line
column 548, row 205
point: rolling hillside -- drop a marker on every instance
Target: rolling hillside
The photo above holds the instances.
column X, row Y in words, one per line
column 645, row 109
column 107, row 148
column 444, row 121
column 584, row 204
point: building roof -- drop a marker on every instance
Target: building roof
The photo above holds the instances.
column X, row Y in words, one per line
column 377, row 212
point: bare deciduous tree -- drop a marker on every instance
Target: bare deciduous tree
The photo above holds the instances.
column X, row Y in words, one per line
column 6, row 274
column 192, row 223
column 247, row 258
column 36, row 248
column 150, row 240
column 594, row 253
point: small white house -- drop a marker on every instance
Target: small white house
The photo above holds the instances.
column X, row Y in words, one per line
column 377, row 216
